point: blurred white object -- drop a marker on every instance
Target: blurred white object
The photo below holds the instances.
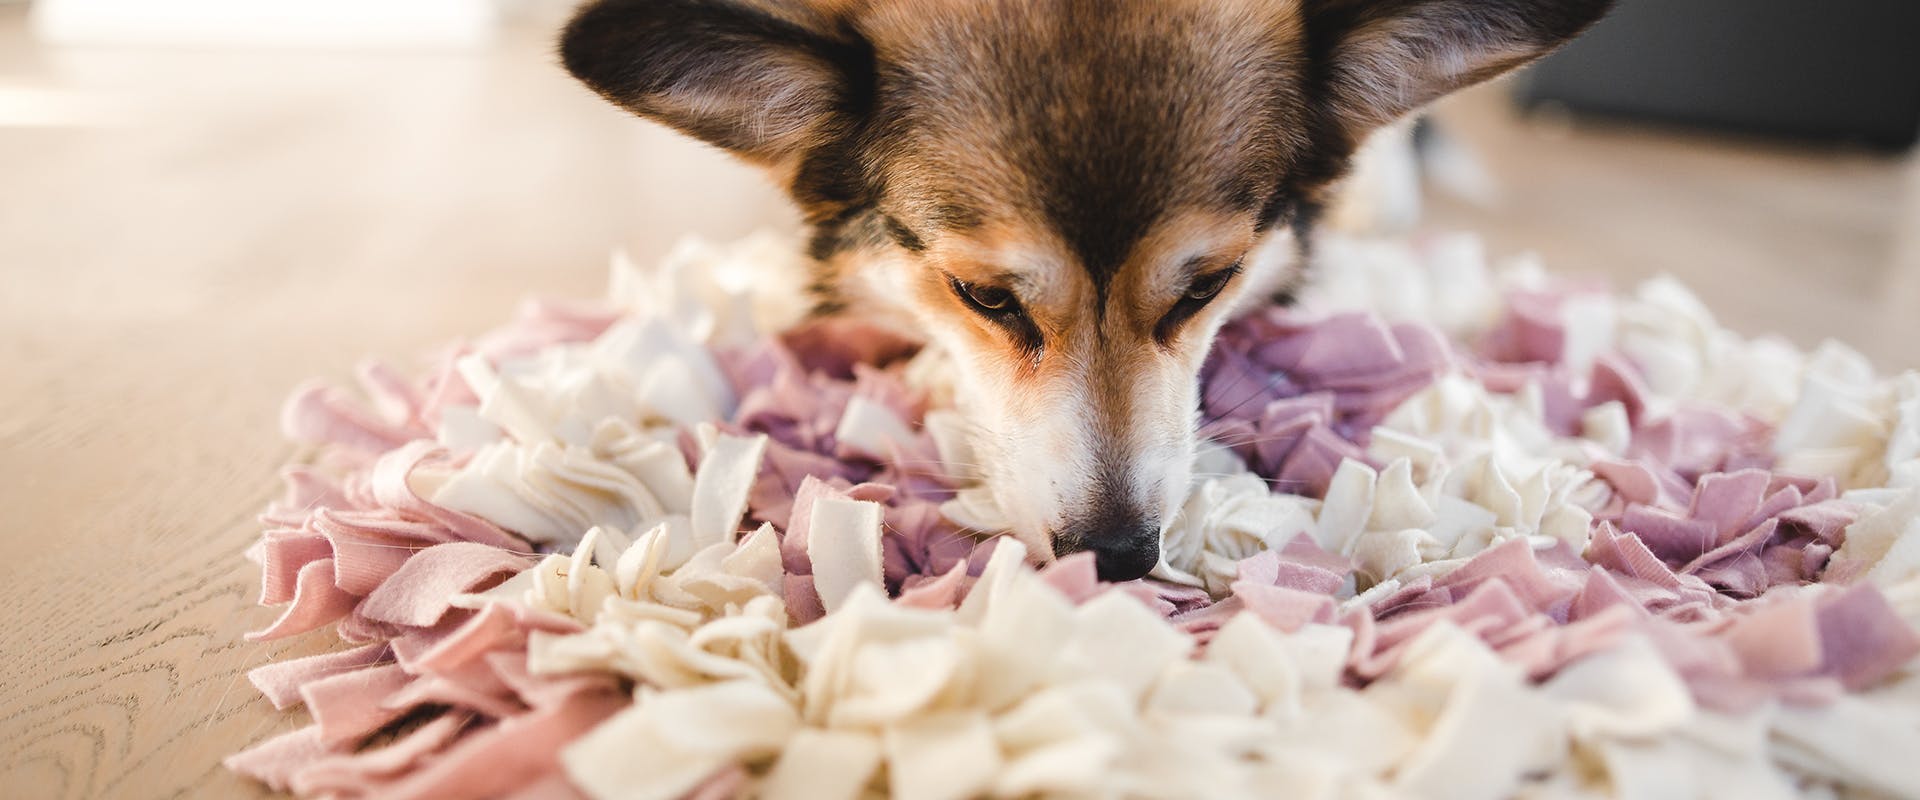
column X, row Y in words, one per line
column 1453, row 167
column 1383, row 194
column 268, row 23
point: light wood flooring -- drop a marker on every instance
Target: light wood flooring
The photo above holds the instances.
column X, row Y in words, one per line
column 185, row 235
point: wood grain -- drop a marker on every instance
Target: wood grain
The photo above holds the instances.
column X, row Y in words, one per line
column 209, row 228
column 242, row 221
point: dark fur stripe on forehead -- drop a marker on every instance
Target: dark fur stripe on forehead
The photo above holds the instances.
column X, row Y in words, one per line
column 1094, row 118
column 1098, row 119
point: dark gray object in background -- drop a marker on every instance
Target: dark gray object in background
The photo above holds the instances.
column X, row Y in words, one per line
column 1846, row 70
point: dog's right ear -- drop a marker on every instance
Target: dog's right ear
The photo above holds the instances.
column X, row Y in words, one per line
column 766, row 85
column 1381, row 59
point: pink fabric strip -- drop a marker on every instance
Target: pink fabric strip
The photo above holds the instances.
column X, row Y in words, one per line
column 316, row 602
column 280, row 681
column 418, row 593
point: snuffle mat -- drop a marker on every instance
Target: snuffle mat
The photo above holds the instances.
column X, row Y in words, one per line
column 1457, row 532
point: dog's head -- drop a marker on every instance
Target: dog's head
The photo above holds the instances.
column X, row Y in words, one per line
column 1063, row 193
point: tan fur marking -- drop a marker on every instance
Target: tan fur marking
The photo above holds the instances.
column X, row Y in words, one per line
column 1092, row 156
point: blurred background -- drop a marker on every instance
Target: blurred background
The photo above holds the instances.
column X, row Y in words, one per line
column 286, row 163
column 221, row 197
column 203, row 202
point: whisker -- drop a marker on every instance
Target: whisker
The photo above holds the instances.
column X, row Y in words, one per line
column 1263, row 478
column 1238, row 378
column 1271, row 383
column 528, row 553
column 933, row 462
column 1258, row 440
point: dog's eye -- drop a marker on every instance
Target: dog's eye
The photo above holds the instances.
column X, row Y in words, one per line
column 1000, row 307
column 985, row 299
column 1209, row 286
column 1198, row 295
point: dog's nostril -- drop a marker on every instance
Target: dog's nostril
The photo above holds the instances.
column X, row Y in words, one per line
column 1121, row 552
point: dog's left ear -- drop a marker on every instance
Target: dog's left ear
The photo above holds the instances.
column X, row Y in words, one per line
column 767, row 80
column 1381, row 59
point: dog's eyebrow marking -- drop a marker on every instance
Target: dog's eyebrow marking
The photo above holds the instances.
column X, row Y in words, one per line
column 947, row 215
column 1191, row 269
column 954, row 216
column 902, row 234
column 1005, row 264
column 1203, row 266
column 1020, row 284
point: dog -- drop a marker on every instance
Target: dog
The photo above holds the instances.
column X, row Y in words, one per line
column 1069, row 196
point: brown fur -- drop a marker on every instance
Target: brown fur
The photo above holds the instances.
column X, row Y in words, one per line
column 1097, row 158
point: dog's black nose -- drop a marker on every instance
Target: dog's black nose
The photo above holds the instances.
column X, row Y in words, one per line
column 1124, row 546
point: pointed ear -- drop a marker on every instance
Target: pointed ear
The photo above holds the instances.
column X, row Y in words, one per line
column 768, row 84
column 1381, row 59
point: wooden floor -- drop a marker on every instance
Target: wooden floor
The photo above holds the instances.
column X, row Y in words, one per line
column 1809, row 243
column 185, row 235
